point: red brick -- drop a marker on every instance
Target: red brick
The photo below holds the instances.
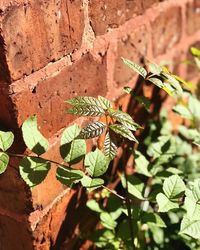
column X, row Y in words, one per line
column 132, row 47
column 105, row 15
column 148, row 3
column 193, row 16
column 85, row 77
column 39, row 32
column 166, row 30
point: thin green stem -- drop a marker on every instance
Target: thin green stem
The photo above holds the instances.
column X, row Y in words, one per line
column 116, row 194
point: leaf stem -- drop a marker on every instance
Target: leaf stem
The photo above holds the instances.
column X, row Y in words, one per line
column 116, row 194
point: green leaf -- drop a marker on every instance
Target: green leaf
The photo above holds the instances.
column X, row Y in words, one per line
column 92, row 130
column 190, row 227
column 156, row 81
column 88, row 182
column 109, row 149
column 74, row 151
column 155, row 69
column 144, row 101
column 196, row 190
column 128, row 90
column 105, row 103
column 164, row 203
column 107, row 221
column 94, row 206
column 6, row 140
column 195, row 51
column 141, row 164
column 190, row 134
column 4, row 160
column 86, row 110
column 68, row 176
column 194, row 107
column 96, row 163
column 70, row 134
column 173, row 186
column 84, row 100
column 33, row 170
column 33, row 139
column 173, row 82
column 123, row 131
column 134, row 185
column 153, row 218
column 182, row 111
column 124, row 118
column 137, row 68
column 192, row 208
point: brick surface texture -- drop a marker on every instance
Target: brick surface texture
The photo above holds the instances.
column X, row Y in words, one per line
column 53, row 50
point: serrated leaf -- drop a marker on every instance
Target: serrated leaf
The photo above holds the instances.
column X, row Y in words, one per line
column 153, row 218
column 96, row 163
column 92, row 130
column 33, row 170
column 156, row 81
column 86, row 110
column 4, row 160
column 84, row 100
column 110, row 149
column 144, row 101
column 94, row 206
column 124, row 118
column 6, row 140
column 137, row 68
column 134, row 186
column 164, row 203
column 33, row 139
column 173, row 186
column 141, row 164
column 154, row 68
column 70, row 134
column 107, row 221
column 182, row 111
column 190, row 227
column 105, row 103
column 90, row 183
column 123, row 131
column 68, row 176
column 74, row 151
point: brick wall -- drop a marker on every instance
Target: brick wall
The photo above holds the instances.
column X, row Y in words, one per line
column 52, row 50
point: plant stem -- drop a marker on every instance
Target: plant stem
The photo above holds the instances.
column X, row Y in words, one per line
column 116, row 194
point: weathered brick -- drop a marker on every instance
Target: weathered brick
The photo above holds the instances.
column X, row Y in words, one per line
column 132, row 47
column 148, row 3
column 46, row 99
column 193, row 16
column 39, row 32
column 105, row 15
column 166, row 30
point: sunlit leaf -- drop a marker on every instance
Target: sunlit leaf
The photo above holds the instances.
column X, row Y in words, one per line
column 190, row 227
column 123, row 131
column 84, row 100
column 156, row 81
column 86, row 110
column 94, row 206
column 6, row 140
column 141, row 164
column 4, row 160
column 137, row 68
column 154, row 68
column 182, row 111
column 164, row 203
column 105, row 103
column 109, row 149
column 173, row 186
column 195, row 51
column 70, row 134
column 92, row 130
column 33, row 170
column 33, row 139
column 107, row 221
column 90, row 183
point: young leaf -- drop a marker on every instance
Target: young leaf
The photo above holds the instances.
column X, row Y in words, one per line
column 104, row 103
column 173, row 186
column 109, row 149
column 92, row 130
column 128, row 90
column 190, row 227
column 141, row 164
column 134, row 185
column 96, row 163
column 144, row 101
column 155, row 69
column 33, row 139
column 70, row 134
column 90, row 183
column 107, row 221
column 86, row 110
column 173, row 82
column 195, row 51
column 156, row 81
column 68, row 176
column 84, row 100
column 137, row 68
column 74, row 151
column 4, row 159
column 6, row 140
column 123, row 131
column 33, row 170
column 124, row 118
column 164, row 203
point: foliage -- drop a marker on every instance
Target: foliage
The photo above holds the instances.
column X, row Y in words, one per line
column 156, row 207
